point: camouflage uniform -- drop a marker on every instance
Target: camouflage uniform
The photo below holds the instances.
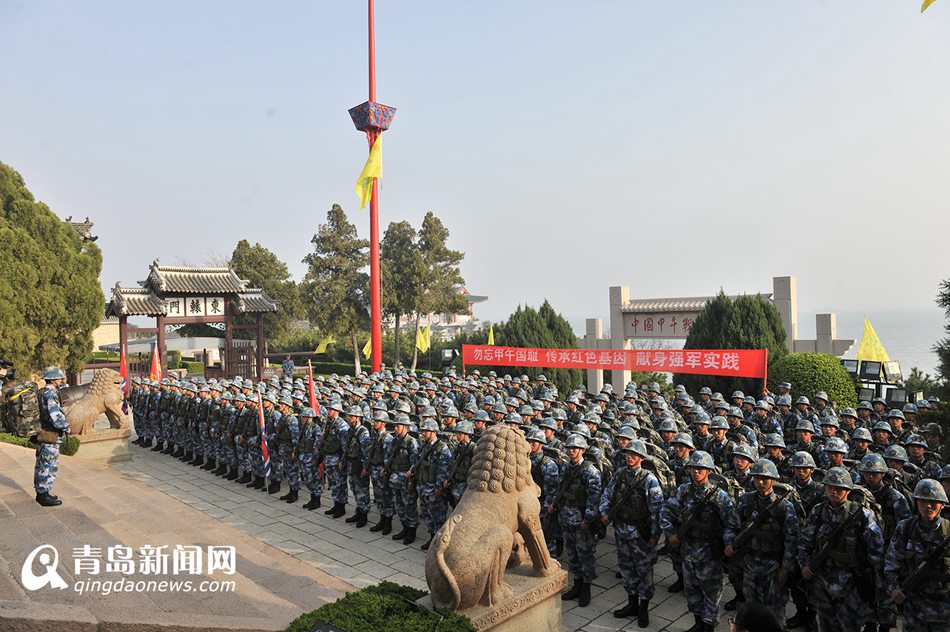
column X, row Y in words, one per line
column 772, row 548
column 927, row 609
column 405, row 453
column 379, row 449
column 894, row 509
column 152, row 427
column 702, row 546
column 834, row 588
column 47, row 454
column 636, row 521
column 213, row 437
column 287, row 436
column 311, row 434
column 331, row 449
column 430, row 474
column 461, row 464
column 356, row 453
column 227, row 453
column 581, row 488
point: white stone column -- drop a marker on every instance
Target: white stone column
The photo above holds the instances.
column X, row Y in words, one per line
column 619, row 295
column 595, row 331
column 826, row 326
column 785, row 298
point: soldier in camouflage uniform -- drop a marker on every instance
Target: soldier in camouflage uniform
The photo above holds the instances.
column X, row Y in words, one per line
column 856, row 556
column 719, row 447
column 461, row 461
column 926, row 608
column 53, row 427
column 311, row 434
column 577, row 503
column 271, row 418
column 288, row 436
column 927, row 466
column 378, row 451
column 547, row 476
column 430, row 474
column 706, row 515
column 254, row 460
column 213, row 436
column 768, row 557
column 335, row 434
column 356, row 459
column 405, row 453
column 633, row 500
column 740, row 481
column 152, row 413
column 224, row 447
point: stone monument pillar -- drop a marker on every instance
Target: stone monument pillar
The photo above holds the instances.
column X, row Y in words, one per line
column 619, row 295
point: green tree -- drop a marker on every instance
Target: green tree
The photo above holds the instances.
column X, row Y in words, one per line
column 402, row 268
column 748, row 322
column 50, row 297
column 441, row 277
column 335, row 290
column 942, row 348
column 262, row 269
column 813, row 372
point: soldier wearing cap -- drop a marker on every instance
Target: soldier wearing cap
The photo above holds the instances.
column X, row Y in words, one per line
column 739, row 432
column 804, row 431
column 382, row 494
column 53, row 428
column 707, row 515
column 212, row 437
column 768, row 557
column 860, row 441
column 833, row 453
column 577, row 503
column 927, row 466
column 311, row 435
column 287, row 436
column 855, row 557
column 740, row 482
column 811, row 493
column 719, row 447
column 230, row 453
column 271, row 418
column 224, row 448
column 632, row 500
column 462, row 453
column 355, row 463
column 404, row 454
column 430, row 474
column 823, row 407
column 335, row 434
column 546, row 474
column 775, row 452
column 927, row 606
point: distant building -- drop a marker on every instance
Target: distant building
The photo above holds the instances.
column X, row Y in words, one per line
column 446, row 326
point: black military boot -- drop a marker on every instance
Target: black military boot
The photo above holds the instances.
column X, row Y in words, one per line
column 388, row 527
column 45, row 500
column 353, row 518
column 292, row 497
column 425, row 547
column 232, row 475
column 212, row 464
column 287, row 495
column 410, row 536
column 274, row 487
column 245, row 478
column 399, row 535
column 583, row 600
column 573, row 593
column 158, row 447
column 198, row 460
column 221, row 470
column 699, row 626
column 331, row 509
column 676, row 586
column 313, row 504
column 138, row 441
column 339, row 511
column 733, row 603
column 376, row 528
column 632, row 608
column 259, row 482
column 170, row 449
column 186, row 456
column 643, row 615
column 361, row 520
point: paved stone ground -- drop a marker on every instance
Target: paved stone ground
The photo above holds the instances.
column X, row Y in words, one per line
column 361, row 558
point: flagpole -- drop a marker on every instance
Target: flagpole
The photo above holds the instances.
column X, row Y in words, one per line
column 376, row 325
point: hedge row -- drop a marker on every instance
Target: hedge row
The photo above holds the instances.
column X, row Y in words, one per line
column 68, row 447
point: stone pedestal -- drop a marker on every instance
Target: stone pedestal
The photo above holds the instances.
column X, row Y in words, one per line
column 535, row 604
column 105, row 446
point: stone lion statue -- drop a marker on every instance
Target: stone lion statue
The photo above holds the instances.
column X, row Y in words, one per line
column 83, row 405
column 466, row 562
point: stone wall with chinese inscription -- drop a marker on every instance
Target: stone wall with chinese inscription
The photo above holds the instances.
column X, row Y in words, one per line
column 194, row 306
column 653, row 326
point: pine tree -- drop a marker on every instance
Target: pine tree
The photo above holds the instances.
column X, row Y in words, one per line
column 262, row 269
column 402, row 271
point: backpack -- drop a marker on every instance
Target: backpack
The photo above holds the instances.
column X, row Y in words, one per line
column 864, row 497
column 603, row 465
column 557, row 456
column 21, row 407
column 791, row 495
column 663, row 473
column 899, row 483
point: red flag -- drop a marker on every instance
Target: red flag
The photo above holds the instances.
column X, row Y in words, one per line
column 310, row 387
column 124, row 372
column 155, row 372
column 264, row 451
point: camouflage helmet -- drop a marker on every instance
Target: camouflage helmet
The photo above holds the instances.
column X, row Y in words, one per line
column 838, row 477
column 872, row 463
column 802, row 400
column 748, row 400
column 774, row 440
column 548, row 422
column 429, row 411
column 895, row 453
column 718, row 423
column 354, row 411
column 895, row 414
column 451, row 411
column 765, row 469
column 591, row 418
column 465, row 427
column 403, row 406
column 683, row 438
column 381, row 416
column 830, row 420
column 576, row 441
column 849, row 412
column 746, row 451
column 53, row 373
column 861, row 434
column 537, row 436
column 784, row 400
column 336, row 405
column 429, row 425
column 821, row 395
column 802, row 459
column 401, row 419
column 582, row 430
column 910, row 408
column 701, row 420
column 805, row 426
column 883, row 425
column 481, row 415
column 513, row 418
column 637, row 447
column 835, row 444
column 864, row 405
column 722, row 405
column 701, row 459
column 705, row 391
column 526, row 410
column 929, row 489
column 627, row 432
column 761, row 405
column 632, row 422
column 734, row 411
column 667, row 425
column 270, row 397
column 307, row 412
column 738, row 395
column 240, row 397
column 287, row 401
column 227, row 396
column 916, row 439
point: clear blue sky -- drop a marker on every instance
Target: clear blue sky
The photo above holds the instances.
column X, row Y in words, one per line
column 673, row 146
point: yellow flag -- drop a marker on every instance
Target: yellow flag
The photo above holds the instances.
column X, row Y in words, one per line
column 491, row 335
column 428, row 337
column 871, row 347
column 372, row 169
column 422, row 339
column 322, row 347
column 368, row 348
column 926, row 4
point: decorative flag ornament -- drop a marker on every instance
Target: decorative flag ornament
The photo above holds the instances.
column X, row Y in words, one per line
column 871, row 348
column 926, row 4
column 372, row 169
column 155, row 372
column 264, row 451
column 124, row 372
column 368, row 348
column 311, row 389
column 491, row 335
column 420, row 340
column 322, row 347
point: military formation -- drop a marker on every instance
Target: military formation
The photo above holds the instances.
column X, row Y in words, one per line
column 837, row 510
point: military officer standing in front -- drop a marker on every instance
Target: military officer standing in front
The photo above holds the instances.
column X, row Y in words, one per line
column 53, row 428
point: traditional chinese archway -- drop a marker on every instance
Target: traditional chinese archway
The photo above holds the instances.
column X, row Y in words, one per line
column 177, row 296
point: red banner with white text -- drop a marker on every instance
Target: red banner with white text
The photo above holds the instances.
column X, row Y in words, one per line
column 735, row 362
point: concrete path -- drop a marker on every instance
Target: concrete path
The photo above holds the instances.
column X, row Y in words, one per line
column 105, row 508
